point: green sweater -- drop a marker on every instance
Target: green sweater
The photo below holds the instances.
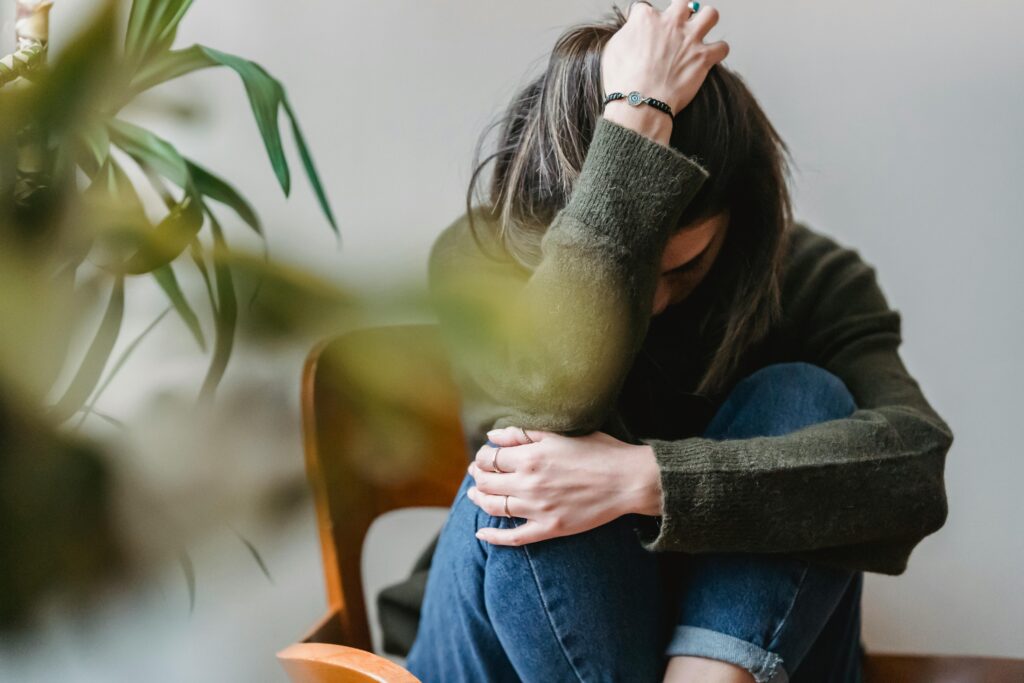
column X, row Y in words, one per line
column 570, row 346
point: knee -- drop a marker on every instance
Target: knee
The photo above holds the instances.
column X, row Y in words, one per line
column 820, row 394
column 780, row 398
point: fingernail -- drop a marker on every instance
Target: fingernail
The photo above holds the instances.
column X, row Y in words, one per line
column 493, row 432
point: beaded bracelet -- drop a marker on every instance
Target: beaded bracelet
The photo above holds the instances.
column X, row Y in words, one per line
column 636, row 99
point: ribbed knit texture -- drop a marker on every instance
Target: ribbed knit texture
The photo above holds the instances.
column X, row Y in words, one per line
column 550, row 349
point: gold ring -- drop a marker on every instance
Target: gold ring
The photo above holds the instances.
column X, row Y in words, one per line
column 507, row 513
column 525, row 435
column 494, row 461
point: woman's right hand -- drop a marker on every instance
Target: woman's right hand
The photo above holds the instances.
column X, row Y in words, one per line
column 662, row 55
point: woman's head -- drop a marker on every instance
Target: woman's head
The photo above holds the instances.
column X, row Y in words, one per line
column 731, row 236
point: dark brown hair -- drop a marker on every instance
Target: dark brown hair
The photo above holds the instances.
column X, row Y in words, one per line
column 544, row 137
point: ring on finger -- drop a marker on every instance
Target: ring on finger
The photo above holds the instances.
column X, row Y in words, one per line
column 494, row 461
column 525, row 435
column 507, row 513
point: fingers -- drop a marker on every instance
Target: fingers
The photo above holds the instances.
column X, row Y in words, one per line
column 495, row 505
column 498, row 459
column 702, row 21
column 512, row 436
column 530, row 532
column 514, row 447
column 679, row 9
column 636, row 7
column 717, row 51
column 497, row 483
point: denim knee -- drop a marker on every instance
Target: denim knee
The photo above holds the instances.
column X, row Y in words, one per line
column 781, row 398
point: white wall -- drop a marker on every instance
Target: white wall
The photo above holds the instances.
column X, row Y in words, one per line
column 904, row 118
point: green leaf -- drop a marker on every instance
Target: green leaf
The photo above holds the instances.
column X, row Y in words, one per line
column 307, row 163
column 196, row 251
column 95, row 359
column 95, row 143
column 152, row 26
column 227, row 312
column 151, row 149
column 189, row 570
column 218, row 190
column 255, row 554
column 170, row 238
column 121, row 360
column 175, row 232
column 266, row 97
column 112, row 181
column 165, row 277
column 169, row 65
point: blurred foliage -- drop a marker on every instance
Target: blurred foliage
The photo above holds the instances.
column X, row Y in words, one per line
column 81, row 209
column 74, row 230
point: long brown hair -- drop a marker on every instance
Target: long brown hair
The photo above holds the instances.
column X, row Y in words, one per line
column 544, row 137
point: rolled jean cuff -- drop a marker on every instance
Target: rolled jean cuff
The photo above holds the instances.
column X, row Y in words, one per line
column 693, row 641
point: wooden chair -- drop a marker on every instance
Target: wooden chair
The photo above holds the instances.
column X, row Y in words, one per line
column 382, row 432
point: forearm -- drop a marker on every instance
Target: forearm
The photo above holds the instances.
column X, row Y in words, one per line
column 839, row 483
column 647, row 121
column 549, row 349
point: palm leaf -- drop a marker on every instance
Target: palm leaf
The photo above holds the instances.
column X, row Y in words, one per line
column 96, row 357
column 168, row 281
column 227, row 312
column 121, row 360
column 189, row 570
column 255, row 554
column 219, row 190
column 176, row 231
column 152, row 26
column 167, row 66
column 266, row 97
column 151, row 149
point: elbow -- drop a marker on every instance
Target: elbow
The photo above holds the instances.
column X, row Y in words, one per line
column 929, row 509
column 934, row 512
column 935, row 509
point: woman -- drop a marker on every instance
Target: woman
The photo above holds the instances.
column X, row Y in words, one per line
column 699, row 431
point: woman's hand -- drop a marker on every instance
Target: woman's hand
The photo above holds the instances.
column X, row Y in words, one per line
column 561, row 485
column 662, row 55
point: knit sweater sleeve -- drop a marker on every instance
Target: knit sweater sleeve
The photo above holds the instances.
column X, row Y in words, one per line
column 549, row 348
column 858, row 492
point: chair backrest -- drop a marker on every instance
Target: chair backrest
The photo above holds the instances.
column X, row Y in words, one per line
column 382, row 431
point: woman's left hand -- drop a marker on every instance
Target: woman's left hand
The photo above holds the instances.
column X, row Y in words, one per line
column 561, row 485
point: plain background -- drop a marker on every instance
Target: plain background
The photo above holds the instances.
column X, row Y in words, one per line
column 905, row 122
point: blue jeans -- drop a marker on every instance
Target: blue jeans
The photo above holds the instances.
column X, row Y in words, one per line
column 597, row 606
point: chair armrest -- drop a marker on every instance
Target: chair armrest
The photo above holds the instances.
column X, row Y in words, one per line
column 325, row 663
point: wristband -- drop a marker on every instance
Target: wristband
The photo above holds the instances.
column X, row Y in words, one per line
column 636, row 99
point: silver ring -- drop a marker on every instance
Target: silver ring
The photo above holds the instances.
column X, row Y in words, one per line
column 694, row 6
column 526, row 436
column 507, row 513
column 494, row 461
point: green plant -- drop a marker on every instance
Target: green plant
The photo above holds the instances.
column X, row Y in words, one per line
column 64, row 127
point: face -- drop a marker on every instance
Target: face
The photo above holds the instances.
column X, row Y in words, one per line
column 688, row 256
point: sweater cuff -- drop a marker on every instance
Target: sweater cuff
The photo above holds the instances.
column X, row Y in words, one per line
column 632, row 187
column 684, row 467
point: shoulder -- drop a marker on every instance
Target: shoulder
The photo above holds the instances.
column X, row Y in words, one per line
column 826, row 281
